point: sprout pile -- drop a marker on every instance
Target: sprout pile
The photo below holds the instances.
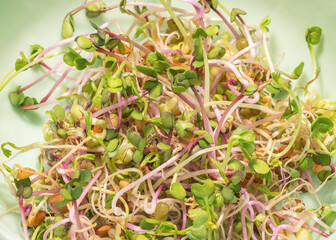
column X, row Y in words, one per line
column 180, row 127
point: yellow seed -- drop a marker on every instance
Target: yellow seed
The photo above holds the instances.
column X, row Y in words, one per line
column 114, row 120
column 23, row 173
column 102, row 231
column 36, row 219
column 265, row 99
column 260, row 152
column 304, row 234
column 123, row 184
column 318, row 168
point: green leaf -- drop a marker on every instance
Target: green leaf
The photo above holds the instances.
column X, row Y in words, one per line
column 177, row 191
column 272, row 89
column 57, row 113
column 324, row 174
column 34, row 48
column 235, row 12
column 149, row 224
column 212, row 30
column 137, row 156
column 70, row 57
column 77, row 192
column 229, row 195
column 298, row 70
column 110, row 62
column 204, row 193
column 322, row 158
column 264, row 23
column 83, row 42
column 237, row 177
column 67, row 29
column 133, row 137
column 197, row 233
column 292, row 110
column 198, row 63
column 147, row 70
column 198, row 49
column 85, row 176
column 217, row 52
column 219, row 167
column 16, row 98
column 66, row 194
column 306, row 162
column 321, row 125
column 137, row 115
column 313, row 35
column 20, row 63
column 259, row 166
column 207, row 136
column 199, row 32
column 251, row 89
column 163, row 146
column 27, row 192
column 235, row 164
column 201, row 217
column 330, row 218
column 156, row 91
column 167, row 120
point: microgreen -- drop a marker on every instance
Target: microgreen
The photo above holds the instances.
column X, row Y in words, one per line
column 292, row 110
column 16, row 98
column 23, row 188
column 264, row 23
column 20, row 63
column 313, row 37
column 204, row 194
column 158, row 61
column 177, row 191
column 251, row 89
column 182, row 79
column 73, row 190
column 217, row 52
column 321, row 125
column 235, row 12
column 67, row 28
column 298, row 70
column 93, row 10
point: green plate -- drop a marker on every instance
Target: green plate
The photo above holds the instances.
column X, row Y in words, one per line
column 26, row 22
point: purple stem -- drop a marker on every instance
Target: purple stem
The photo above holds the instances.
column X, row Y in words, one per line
column 231, row 225
column 57, row 73
column 186, row 100
column 60, row 223
column 184, row 215
column 121, row 103
column 56, row 84
column 155, row 109
column 23, row 219
column 332, row 167
column 233, row 106
column 234, row 32
column 87, row 188
column 38, row 193
column 41, row 78
column 119, row 112
column 27, row 209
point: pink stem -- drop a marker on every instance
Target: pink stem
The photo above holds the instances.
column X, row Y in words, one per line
column 243, row 51
column 56, row 84
column 314, row 229
column 62, row 222
column 119, row 112
column 87, row 188
column 113, row 35
column 38, row 193
column 184, row 215
column 55, row 72
column 234, row 32
column 23, row 219
column 186, row 100
column 114, row 106
column 155, row 109
column 137, row 228
column 41, row 78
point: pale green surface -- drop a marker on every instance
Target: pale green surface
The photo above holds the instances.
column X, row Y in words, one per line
column 25, row 22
